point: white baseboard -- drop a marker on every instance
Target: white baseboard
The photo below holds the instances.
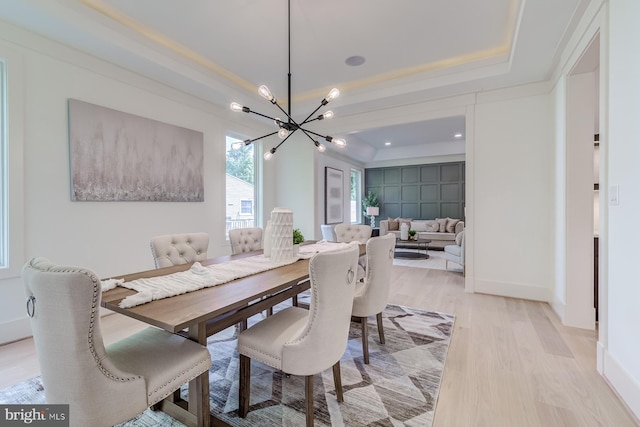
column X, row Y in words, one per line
column 15, row 330
column 600, row 355
column 627, row 387
column 558, row 307
column 512, row 290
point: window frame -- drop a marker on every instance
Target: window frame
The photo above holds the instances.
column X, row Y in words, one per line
column 12, row 171
column 255, row 202
column 358, row 188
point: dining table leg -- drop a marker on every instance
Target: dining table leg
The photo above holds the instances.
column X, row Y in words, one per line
column 199, row 404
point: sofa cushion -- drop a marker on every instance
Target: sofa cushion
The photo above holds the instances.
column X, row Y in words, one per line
column 451, row 225
column 442, row 222
column 419, row 225
column 393, row 224
column 433, row 226
column 450, row 237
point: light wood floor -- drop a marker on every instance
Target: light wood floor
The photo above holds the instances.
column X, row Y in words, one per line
column 511, row 363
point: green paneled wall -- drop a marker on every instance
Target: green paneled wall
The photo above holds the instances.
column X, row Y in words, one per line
column 420, row 191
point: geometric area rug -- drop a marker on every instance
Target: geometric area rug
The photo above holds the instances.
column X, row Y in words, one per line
column 399, row 386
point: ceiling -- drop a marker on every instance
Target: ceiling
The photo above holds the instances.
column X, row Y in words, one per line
column 414, row 50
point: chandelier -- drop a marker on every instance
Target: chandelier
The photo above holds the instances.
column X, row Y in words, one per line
column 289, row 126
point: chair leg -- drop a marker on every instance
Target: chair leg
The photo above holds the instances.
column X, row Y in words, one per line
column 245, row 386
column 446, row 264
column 365, row 340
column 308, row 393
column 380, row 328
column 337, row 381
column 294, row 300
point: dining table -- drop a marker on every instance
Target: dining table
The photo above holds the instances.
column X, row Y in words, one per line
column 202, row 313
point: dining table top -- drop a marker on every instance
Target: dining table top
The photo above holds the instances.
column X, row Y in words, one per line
column 175, row 313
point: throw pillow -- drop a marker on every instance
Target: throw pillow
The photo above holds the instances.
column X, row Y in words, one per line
column 393, row 224
column 451, row 225
column 404, row 220
column 418, row 225
column 459, row 238
column 442, row 222
column 432, row 226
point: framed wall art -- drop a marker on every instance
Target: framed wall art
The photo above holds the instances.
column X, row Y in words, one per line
column 333, row 196
column 117, row 156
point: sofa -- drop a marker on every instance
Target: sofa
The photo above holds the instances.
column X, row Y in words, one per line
column 441, row 231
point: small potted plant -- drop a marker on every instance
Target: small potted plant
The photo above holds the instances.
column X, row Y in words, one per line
column 297, row 239
column 412, row 235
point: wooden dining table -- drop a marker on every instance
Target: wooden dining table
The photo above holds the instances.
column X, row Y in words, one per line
column 204, row 312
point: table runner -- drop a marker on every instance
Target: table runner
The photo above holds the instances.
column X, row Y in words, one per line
column 200, row 277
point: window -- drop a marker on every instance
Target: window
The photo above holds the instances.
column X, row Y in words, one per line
column 4, row 225
column 356, row 196
column 246, row 207
column 240, row 185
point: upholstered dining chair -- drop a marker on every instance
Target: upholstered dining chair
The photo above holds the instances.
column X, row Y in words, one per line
column 355, row 233
column 306, row 342
column 103, row 386
column 455, row 253
column 328, row 232
column 372, row 294
column 245, row 239
column 177, row 249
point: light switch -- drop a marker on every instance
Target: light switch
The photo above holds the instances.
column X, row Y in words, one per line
column 614, row 195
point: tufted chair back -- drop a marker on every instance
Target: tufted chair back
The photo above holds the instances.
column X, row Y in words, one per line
column 372, row 294
column 103, row 386
column 328, row 232
column 245, row 239
column 177, row 249
column 352, row 233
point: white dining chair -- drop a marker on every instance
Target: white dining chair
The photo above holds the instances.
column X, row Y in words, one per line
column 103, row 386
column 245, row 239
column 306, row 342
column 355, row 233
column 178, row 249
column 372, row 294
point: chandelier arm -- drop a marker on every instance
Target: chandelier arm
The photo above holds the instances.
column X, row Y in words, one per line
column 282, row 142
column 262, row 115
column 306, row 132
column 312, row 113
column 316, row 134
column 263, row 136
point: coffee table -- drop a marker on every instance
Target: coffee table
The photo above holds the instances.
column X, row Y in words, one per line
column 419, row 244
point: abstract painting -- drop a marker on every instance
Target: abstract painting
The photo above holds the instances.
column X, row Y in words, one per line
column 333, row 196
column 116, row 156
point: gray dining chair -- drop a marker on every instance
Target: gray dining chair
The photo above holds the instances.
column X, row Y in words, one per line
column 102, row 385
column 306, row 342
column 372, row 294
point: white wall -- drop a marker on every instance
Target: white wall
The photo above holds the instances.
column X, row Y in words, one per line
column 345, row 166
column 110, row 238
column 578, row 225
column 622, row 357
column 513, row 194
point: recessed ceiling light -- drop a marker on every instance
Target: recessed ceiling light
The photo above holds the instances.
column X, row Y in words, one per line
column 355, row 61
column 457, row 135
column 387, row 143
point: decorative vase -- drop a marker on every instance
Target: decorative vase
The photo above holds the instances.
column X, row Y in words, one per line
column 404, row 231
column 266, row 244
column 296, row 250
column 281, row 234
